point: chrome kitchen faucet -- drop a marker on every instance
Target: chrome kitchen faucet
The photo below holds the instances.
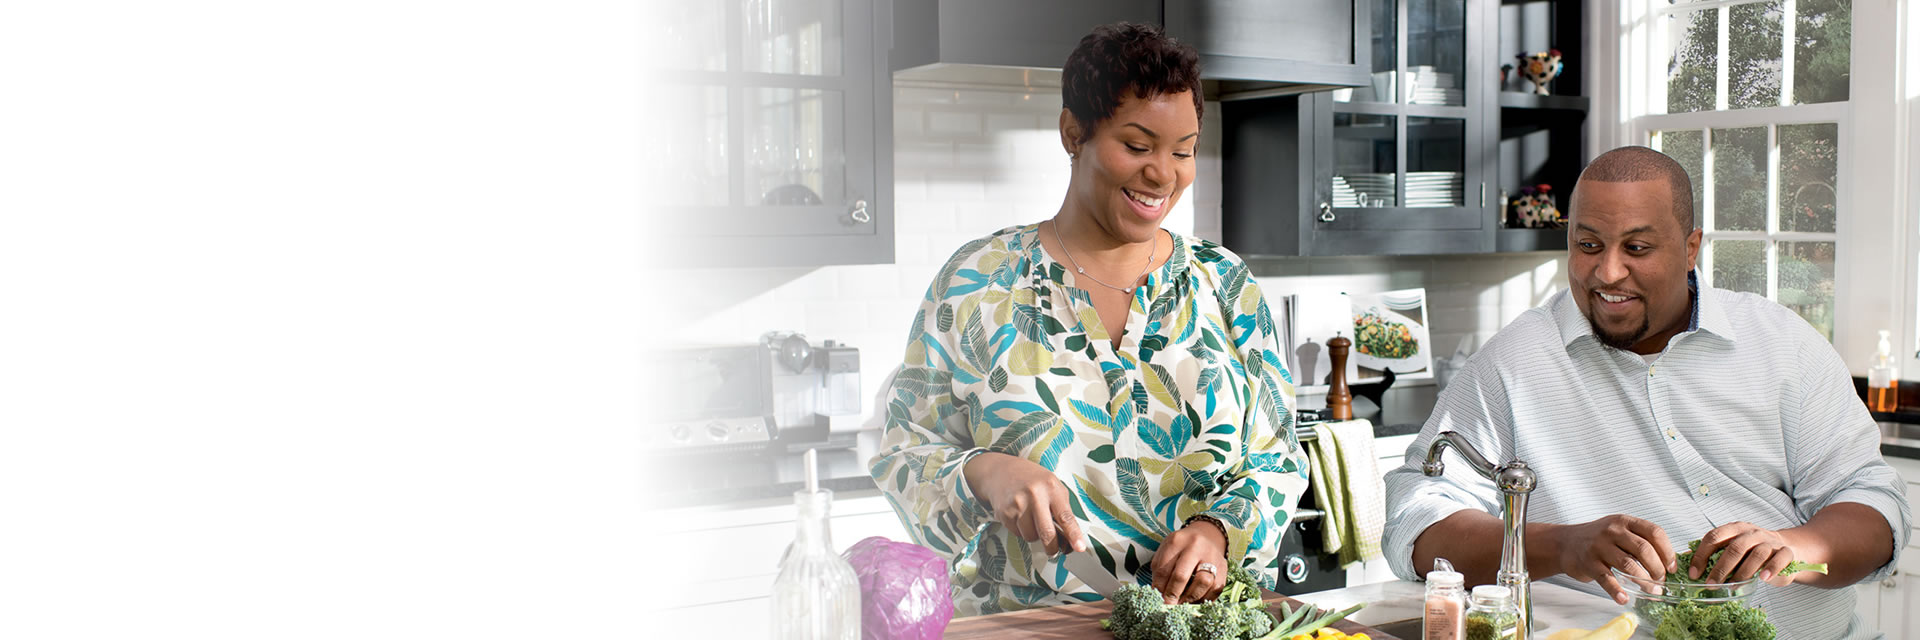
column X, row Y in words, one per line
column 1515, row 481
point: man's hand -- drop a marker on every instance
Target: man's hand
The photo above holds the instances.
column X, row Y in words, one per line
column 1588, row 552
column 1027, row 499
column 1748, row 549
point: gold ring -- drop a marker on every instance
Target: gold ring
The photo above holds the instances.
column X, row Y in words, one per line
column 1205, row 566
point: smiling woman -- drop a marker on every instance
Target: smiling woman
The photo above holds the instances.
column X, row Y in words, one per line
column 1093, row 382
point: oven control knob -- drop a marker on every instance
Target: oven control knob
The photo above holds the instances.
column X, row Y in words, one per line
column 680, row 433
column 1296, row 568
column 717, row 432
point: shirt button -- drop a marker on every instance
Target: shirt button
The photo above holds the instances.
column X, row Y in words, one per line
column 1703, row 491
column 1671, row 434
column 1649, row 372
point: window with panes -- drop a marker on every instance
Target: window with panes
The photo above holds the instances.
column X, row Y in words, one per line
column 1754, row 95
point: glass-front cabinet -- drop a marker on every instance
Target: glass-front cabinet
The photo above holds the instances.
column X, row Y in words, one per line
column 771, row 146
column 1398, row 166
column 1406, row 151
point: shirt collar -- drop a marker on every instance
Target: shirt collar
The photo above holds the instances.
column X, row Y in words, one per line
column 1706, row 315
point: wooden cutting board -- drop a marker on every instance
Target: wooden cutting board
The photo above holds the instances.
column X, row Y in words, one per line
column 1082, row 622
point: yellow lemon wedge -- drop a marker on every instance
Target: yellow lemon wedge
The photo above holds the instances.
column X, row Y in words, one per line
column 1619, row 628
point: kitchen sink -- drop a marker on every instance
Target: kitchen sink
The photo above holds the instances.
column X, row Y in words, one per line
column 1411, row 629
column 1402, row 629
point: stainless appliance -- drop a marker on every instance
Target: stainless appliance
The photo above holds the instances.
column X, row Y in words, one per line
column 1305, row 566
column 776, row 394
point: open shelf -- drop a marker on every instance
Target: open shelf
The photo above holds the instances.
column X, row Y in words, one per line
column 1510, row 240
column 1518, row 100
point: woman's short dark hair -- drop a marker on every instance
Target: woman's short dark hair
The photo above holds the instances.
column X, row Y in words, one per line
column 1125, row 56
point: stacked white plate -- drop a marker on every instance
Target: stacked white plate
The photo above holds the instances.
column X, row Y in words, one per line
column 1426, row 86
column 1364, row 188
column 1343, row 194
column 1435, row 188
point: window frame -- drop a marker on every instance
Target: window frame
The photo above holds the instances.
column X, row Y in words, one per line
column 1875, row 222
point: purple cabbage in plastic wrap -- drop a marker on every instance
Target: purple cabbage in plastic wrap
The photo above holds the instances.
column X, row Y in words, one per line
column 904, row 591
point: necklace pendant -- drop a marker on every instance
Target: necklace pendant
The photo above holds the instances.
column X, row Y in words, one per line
column 1079, row 270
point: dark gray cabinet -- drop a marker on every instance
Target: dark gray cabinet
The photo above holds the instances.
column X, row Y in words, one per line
column 1420, row 159
column 780, row 153
column 1396, row 167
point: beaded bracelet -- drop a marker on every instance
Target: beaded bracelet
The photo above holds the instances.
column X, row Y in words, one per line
column 1209, row 520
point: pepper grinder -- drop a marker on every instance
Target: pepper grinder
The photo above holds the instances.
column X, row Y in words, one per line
column 1339, row 398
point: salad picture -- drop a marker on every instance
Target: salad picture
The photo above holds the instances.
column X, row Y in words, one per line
column 1376, row 335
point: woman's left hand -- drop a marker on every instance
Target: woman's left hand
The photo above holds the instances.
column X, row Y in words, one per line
column 1176, row 566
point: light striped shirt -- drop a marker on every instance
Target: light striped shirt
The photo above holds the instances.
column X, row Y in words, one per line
column 1747, row 416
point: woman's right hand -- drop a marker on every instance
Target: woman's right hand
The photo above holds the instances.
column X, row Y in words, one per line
column 1027, row 499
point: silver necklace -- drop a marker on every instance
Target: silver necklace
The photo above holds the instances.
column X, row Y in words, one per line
column 1082, row 271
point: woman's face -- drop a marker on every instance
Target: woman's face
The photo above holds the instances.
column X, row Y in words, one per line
column 1137, row 164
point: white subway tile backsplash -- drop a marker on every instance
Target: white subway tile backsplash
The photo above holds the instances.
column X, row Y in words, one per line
column 868, row 281
column 953, row 123
column 908, row 123
column 909, row 250
column 922, row 154
column 1014, row 121
column 918, row 96
column 1009, row 97
column 956, row 190
column 828, row 317
column 923, row 217
column 979, row 155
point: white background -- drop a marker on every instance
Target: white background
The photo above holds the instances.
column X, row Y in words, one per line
column 317, row 320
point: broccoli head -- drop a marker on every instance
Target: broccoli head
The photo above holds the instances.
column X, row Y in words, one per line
column 1169, row 623
column 1133, row 606
column 1217, row 620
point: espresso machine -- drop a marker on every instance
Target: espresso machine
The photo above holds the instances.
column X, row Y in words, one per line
column 776, row 395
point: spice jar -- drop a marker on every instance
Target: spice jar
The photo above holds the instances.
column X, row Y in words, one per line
column 1446, row 606
column 1492, row 615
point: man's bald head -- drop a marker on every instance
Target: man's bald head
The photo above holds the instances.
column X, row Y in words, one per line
column 1636, row 164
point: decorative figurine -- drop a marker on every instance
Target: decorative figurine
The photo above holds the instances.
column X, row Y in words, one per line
column 1534, row 209
column 1540, row 68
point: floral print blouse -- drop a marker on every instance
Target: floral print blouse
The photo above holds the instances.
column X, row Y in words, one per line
column 1190, row 415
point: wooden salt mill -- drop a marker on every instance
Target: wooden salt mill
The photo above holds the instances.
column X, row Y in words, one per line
column 1339, row 398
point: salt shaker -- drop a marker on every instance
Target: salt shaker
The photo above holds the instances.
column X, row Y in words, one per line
column 1446, row 605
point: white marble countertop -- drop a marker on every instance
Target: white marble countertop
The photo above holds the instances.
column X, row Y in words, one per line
column 1554, row 607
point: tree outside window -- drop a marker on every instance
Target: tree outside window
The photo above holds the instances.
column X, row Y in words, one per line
column 1764, row 184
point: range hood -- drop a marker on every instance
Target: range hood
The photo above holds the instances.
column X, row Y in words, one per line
column 1248, row 48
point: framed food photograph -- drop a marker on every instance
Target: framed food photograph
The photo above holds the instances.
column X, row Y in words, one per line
column 1390, row 332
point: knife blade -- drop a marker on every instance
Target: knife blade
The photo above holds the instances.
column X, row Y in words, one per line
column 1086, row 566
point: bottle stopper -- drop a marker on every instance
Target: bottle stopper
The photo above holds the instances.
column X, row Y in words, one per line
column 813, row 471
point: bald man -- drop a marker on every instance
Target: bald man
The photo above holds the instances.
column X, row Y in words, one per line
column 1655, row 411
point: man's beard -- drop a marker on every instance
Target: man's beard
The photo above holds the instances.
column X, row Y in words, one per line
column 1621, row 341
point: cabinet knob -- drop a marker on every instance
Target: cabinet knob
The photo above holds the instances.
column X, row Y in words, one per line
column 1326, row 211
column 859, row 213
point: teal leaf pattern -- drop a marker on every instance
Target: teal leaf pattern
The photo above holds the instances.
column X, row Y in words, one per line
column 1191, row 413
column 1022, row 433
column 1027, row 320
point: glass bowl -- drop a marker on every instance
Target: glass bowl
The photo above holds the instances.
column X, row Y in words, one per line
column 1652, row 598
